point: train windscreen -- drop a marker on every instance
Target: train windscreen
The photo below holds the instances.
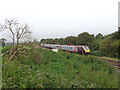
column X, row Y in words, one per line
column 86, row 48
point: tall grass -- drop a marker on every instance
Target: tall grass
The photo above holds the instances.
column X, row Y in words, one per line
column 58, row 70
column 5, row 48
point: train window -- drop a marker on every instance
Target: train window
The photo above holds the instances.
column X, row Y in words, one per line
column 86, row 47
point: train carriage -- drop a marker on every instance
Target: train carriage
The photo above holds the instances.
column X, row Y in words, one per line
column 81, row 49
column 69, row 48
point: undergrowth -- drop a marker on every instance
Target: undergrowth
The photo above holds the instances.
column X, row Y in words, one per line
column 43, row 68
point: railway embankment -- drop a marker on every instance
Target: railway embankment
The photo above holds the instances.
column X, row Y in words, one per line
column 44, row 68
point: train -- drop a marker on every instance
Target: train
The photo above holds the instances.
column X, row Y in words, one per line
column 81, row 49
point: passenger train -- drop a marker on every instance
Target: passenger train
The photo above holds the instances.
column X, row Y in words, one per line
column 81, row 49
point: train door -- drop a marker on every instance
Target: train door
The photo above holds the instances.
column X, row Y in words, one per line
column 80, row 50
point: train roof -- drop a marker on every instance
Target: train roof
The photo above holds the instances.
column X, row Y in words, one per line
column 65, row 45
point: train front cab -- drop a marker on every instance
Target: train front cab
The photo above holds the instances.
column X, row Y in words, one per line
column 83, row 50
column 86, row 49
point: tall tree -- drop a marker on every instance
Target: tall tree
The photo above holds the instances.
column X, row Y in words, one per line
column 71, row 40
column 85, row 38
column 22, row 32
column 99, row 36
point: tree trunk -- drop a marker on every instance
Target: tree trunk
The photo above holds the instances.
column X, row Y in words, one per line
column 17, row 41
column 13, row 41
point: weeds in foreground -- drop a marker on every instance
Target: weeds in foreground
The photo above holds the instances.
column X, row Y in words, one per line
column 57, row 70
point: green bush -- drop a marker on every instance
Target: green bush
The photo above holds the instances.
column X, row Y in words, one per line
column 109, row 47
column 97, row 53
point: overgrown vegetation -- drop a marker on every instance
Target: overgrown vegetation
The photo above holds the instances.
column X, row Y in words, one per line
column 46, row 69
column 107, row 45
column 5, row 48
column 26, row 65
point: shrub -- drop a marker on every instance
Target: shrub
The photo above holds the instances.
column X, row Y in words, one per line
column 97, row 53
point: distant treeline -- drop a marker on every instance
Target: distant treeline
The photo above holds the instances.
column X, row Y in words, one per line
column 105, row 45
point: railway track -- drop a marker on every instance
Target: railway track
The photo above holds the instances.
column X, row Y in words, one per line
column 114, row 63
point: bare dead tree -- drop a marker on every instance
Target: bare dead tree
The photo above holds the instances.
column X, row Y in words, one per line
column 17, row 31
column 10, row 24
column 27, row 38
column 22, row 32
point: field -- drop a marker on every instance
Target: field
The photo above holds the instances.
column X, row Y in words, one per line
column 42, row 68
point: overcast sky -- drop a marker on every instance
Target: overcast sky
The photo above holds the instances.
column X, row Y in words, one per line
column 62, row 18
